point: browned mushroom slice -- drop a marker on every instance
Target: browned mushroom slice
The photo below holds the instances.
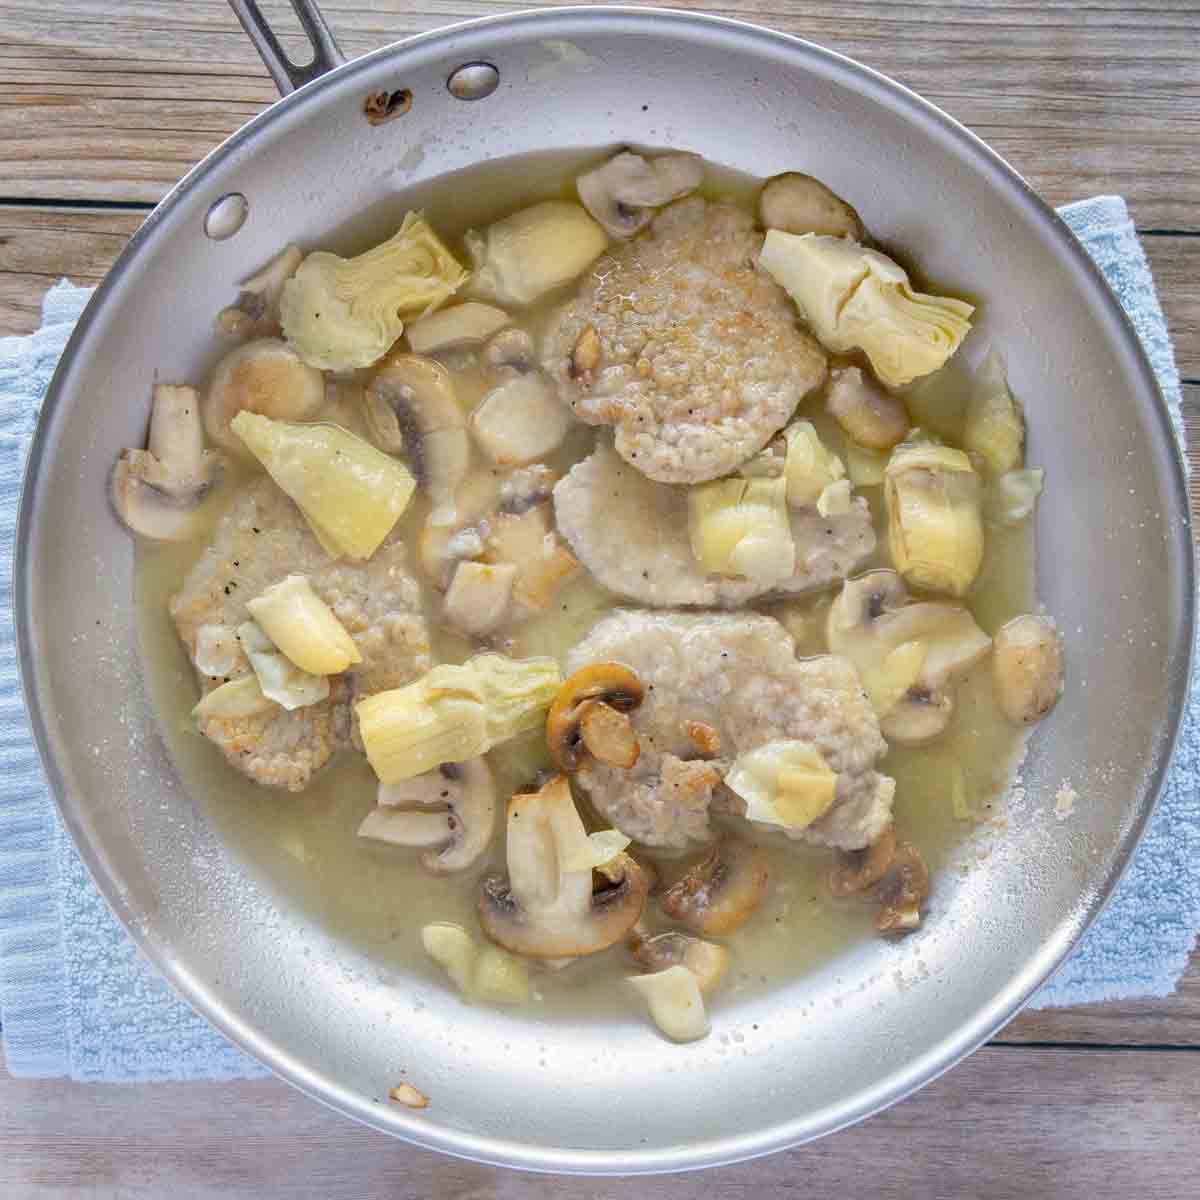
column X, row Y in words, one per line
column 706, row 960
column 721, row 891
column 542, row 909
column 610, row 683
column 902, row 890
column 856, row 870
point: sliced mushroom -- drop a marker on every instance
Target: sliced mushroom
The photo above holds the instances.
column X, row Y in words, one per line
column 721, row 891
column 256, row 313
column 856, row 870
column 907, row 655
column 611, row 684
column 675, row 1002
column 479, row 598
column 1027, row 668
column 462, row 829
column 266, row 377
column 467, row 324
column 160, row 492
column 520, row 421
column 511, row 350
column 706, row 960
column 410, row 405
column 796, row 203
column 624, row 193
column 902, row 891
column 608, row 734
column 869, row 416
column 543, row 910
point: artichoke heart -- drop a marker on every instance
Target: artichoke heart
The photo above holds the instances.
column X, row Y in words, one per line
column 855, row 298
column 278, row 677
column 740, row 527
column 809, row 467
column 304, row 627
column 785, row 783
column 935, row 532
column 453, row 713
column 340, row 313
column 350, row 493
column 994, row 427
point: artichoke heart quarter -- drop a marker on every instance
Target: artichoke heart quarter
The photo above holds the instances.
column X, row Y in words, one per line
column 740, row 527
column 340, row 313
column 859, row 299
column 935, row 531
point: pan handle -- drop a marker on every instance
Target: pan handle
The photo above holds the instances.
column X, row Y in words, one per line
column 287, row 75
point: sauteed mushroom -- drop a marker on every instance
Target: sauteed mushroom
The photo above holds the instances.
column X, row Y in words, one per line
column 256, row 313
column 902, row 891
column 159, row 492
column 797, row 203
column 869, row 415
column 624, row 193
column 721, row 891
column 457, row 834
column 543, row 909
column 411, row 405
column 610, row 683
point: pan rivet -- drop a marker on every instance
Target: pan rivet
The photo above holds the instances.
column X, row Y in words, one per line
column 473, row 81
column 226, row 216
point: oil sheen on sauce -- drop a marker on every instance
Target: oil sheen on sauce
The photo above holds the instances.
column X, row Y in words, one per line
column 302, row 847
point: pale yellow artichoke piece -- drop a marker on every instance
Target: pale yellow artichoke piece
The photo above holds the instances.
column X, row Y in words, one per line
column 233, row 700
column 994, row 427
column 739, row 527
column 453, row 713
column 855, row 298
column 278, row 677
column 304, row 627
column 785, row 783
column 810, row 467
column 341, row 313
column 349, row 492
column 533, row 251
column 935, row 532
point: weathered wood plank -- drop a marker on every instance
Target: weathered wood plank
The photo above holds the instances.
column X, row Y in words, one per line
column 117, row 101
column 1174, row 1021
column 1007, row 1123
column 39, row 246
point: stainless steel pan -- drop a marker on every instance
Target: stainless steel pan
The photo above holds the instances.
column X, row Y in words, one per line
column 880, row 1019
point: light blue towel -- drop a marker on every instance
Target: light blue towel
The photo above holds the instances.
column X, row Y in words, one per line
column 76, row 998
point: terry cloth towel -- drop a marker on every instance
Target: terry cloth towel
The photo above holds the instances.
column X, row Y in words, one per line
column 76, row 998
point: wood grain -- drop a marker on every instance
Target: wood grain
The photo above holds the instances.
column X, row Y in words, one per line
column 1057, row 1124
column 115, row 102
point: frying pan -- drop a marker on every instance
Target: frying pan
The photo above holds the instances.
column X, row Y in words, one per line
column 784, row 1064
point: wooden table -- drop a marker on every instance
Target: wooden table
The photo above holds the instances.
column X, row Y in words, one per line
column 103, row 106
